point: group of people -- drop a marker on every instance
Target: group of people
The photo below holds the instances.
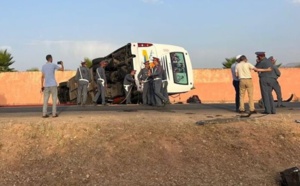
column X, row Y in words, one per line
column 153, row 81
column 268, row 74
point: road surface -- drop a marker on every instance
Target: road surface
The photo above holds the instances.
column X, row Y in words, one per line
column 290, row 108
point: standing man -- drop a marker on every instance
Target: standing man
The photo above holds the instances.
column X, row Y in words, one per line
column 236, row 83
column 143, row 79
column 128, row 84
column 157, row 82
column 49, row 84
column 101, row 83
column 266, row 82
column 83, row 78
column 276, row 74
column 243, row 72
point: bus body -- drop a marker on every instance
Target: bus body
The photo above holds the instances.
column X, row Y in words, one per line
column 174, row 59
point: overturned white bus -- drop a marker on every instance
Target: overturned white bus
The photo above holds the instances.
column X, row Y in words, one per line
column 174, row 59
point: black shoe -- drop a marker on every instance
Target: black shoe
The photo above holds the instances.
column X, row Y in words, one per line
column 253, row 112
column 265, row 112
column 282, row 106
column 78, row 103
column 55, row 116
column 45, row 116
column 242, row 111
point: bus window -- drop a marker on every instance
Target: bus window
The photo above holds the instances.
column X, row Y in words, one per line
column 179, row 68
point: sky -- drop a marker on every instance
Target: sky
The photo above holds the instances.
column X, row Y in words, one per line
column 210, row 30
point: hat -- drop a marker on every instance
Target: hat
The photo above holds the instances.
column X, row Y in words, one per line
column 155, row 59
column 238, row 57
column 272, row 58
column 259, row 53
column 146, row 62
column 83, row 61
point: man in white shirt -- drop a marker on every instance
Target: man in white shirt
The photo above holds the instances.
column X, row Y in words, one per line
column 243, row 72
column 49, row 84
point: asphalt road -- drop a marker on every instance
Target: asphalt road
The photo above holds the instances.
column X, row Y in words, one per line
column 213, row 108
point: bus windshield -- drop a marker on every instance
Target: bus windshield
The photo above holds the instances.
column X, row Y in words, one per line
column 179, row 68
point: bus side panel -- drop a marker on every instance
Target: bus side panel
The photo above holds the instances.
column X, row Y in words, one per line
column 164, row 51
column 190, row 70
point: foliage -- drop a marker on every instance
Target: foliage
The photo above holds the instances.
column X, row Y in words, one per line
column 6, row 60
column 34, row 69
column 228, row 62
column 88, row 62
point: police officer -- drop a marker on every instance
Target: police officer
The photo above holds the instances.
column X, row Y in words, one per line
column 266, row 82
column 101, row 83
column 128, row 84
column 83, row 78
column 276, row 74
column 143, row 79
column 164, row 89
column 157, row 82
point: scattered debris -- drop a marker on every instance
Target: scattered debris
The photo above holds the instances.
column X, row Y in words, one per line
column 194, row 99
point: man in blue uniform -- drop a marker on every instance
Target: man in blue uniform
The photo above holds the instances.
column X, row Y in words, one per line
column 266, row 82
column 128, row 84
column 143, row 79
column 157, row 83
column 276, row 74
column 83, row 78
column 101, row 83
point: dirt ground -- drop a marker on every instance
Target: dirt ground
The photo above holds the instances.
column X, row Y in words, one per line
column 147, row 148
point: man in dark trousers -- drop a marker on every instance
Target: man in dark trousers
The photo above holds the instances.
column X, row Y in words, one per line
column 143, row 79
column 236, row 83
column 276, row 74
column 83, row 78
column 128, row 84
column 101, row 83
column 157, row 82
column 266, row 82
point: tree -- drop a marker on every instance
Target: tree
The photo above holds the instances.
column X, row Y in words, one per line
column 228, row 62
column 6, row 61
column 34, row 69
column 88, row 61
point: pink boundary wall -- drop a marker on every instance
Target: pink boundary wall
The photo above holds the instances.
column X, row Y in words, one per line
column 211, row 85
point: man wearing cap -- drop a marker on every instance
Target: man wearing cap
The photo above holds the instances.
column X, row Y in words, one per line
column 101, row 83
column 83, row 78
column 276, row 74
column 128, row 84
column 143, row 79
column 236, row 83
column 266, row 82
column 157, row 82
